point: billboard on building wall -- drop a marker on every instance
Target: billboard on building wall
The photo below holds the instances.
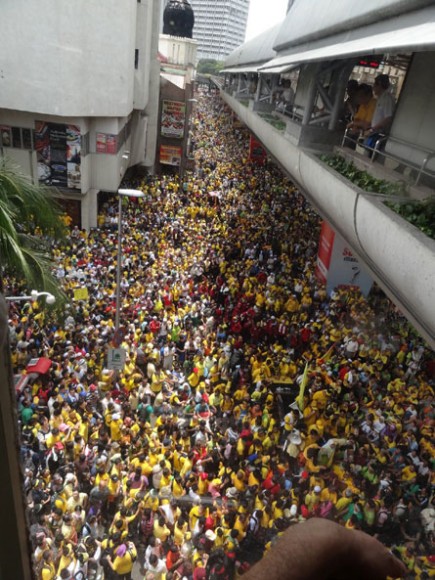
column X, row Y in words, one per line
column 170, row 155
column 58, row 153
column 173, row 119
column 337, row 266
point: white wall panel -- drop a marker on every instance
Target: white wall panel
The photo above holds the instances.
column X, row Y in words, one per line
column 66, row 58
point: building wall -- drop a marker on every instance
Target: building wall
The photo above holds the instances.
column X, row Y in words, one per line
column 179, row 51
column 92, row 64
column 54, row 56
column 220, row 26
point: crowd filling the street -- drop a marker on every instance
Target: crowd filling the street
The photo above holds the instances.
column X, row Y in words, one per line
column 250, row 400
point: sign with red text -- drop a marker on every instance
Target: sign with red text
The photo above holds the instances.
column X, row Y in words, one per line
column 173, row 119
column 170, row 155
column 337, row 266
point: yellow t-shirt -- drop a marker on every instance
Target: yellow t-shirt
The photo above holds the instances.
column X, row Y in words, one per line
column 365, row 112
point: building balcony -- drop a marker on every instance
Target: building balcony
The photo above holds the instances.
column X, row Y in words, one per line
column 386, row 243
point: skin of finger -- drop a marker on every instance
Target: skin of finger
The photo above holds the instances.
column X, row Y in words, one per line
column 368, row 558
column 323, row 550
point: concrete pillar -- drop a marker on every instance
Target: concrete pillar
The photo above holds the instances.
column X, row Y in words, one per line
column 340, row 92
column 273, row 86
column 14, row 547
column 312, row 91
column 258, row 93
column 89, row 209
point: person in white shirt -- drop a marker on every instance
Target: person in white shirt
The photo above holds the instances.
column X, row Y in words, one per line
column 383, row 115
column 157, row 566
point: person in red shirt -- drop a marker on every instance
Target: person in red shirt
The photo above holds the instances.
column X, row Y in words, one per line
column 174, row 559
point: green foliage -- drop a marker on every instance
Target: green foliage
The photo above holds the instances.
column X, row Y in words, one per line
column 362, row 178
column 276, row 123
column 419, row 213
column 209, row 66
column 29, row 219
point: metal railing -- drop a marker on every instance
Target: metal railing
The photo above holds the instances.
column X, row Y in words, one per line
column 378, row 151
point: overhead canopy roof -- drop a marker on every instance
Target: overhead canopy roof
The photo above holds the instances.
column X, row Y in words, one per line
column 243, row 69
column 254, row 52
column 310, row 21
column 412, row 32
column 278, row 69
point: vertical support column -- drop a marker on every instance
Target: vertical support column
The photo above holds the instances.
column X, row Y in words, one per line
column 89, row 209
column 273, row 86
column 313, row 71
column 118, row 268
column 14, row 548
column 258, row 93
column 340, row 91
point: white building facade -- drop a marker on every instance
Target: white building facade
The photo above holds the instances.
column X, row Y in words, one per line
column 220, row 26
column 79, row 93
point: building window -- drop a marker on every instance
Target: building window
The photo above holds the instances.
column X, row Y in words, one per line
column 136, row 58
column 16, row 138
column 27, row 138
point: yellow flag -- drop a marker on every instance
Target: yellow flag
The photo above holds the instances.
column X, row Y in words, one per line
column 81, row 294
column 300, row 397
column 327, row 355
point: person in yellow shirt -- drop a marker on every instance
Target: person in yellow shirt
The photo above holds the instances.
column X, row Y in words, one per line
column 238, row 480
column 195, row 513
column 177, row 487
column 125, row 556
column 181, row 528
column 366, row 108
column 48, row 569
column 241, row 525
column 141, row 461
column 67, row 559
column 115, row 426
column 161, row 530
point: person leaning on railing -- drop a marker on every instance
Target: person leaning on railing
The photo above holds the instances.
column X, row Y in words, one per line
column 383, row 114
column 363, row 117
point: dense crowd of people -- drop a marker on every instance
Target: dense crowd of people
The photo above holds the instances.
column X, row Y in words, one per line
column 249, row 400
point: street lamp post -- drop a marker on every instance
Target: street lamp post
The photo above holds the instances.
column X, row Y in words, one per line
column 34, row 295
column 121, row 193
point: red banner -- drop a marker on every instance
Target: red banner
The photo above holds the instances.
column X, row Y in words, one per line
column 326, row 245
column 257, row 153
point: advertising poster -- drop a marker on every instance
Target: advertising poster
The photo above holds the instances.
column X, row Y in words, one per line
column 73, row 156
column 337, row 266
column 345, row 269
column 58, row 150
column 173, row 119
column 326, row 243
column 111, row 144
column 101, row 143
column 170, row 155
column 106, row 143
